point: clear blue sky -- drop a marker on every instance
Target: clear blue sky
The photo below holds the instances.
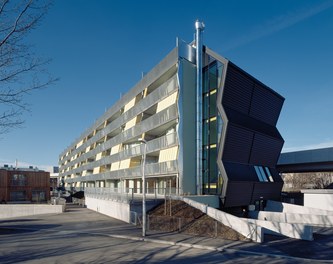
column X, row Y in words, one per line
column 100, row 48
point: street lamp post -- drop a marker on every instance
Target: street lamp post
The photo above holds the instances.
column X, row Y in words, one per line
column 143, row 187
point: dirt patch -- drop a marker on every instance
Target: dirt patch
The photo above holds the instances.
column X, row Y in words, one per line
column 179, row 216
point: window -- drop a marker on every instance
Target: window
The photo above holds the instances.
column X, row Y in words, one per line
column 264, row 174
column 18, row 196
column 268, row 173
column 38, row 196
column 261, row 177
column 19, row 180
column 211, row 126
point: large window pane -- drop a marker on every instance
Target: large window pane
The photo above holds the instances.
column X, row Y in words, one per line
column 212, row 104
column 18, row 196
column 213, row 132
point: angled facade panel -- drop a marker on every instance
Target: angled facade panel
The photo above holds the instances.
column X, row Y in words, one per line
column 237, row 91
column 265, row 150
column 250, row 144
column 265, row 105
column 238, row 144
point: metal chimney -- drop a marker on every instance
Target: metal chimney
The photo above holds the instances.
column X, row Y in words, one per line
column 199, row 27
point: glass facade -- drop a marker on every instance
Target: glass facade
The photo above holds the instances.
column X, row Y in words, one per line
column 212, row 126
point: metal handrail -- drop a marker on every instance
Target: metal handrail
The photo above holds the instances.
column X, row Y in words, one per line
column 126, row 195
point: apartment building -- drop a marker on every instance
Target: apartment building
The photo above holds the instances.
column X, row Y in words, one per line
column 201, row 125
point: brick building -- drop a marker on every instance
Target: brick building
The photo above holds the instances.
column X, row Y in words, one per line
column 24, row 185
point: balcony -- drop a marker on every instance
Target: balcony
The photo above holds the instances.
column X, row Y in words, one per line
column 151, row 170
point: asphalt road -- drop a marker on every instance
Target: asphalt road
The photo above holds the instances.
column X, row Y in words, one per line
column 83, row 236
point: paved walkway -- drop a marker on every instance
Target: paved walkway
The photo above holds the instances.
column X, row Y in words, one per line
column 77, row 223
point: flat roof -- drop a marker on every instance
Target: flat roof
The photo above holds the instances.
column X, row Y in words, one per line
column 307, row 156
column 11, row 168
column 306, row 160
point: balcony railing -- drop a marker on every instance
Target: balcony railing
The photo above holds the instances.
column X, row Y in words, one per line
column 127, row 195
column 165, row 89
column 168, row 114
column 154, row 169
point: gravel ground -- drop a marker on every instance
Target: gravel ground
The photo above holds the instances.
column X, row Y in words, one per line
column 189, row 220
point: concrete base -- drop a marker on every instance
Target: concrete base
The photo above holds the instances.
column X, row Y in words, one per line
column 305, row 219
column 114, row 209
column 298, row 231
column 274, row 206
column 320, row 198
column 18, row 210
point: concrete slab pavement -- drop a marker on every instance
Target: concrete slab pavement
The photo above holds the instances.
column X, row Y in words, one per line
column 81, row 222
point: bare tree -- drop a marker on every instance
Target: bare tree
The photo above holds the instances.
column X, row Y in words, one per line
column 307, row 180
column 21, row 71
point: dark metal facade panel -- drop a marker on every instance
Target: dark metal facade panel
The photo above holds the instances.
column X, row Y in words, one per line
column 265, row 150
column 265, row 105
column 266, row 191
column 251, row 123
column 245, row 172
column 237, row 91
column 237, row 146
column 238, row 193
column 250, row 138
column 240, row 172
column 245, row 193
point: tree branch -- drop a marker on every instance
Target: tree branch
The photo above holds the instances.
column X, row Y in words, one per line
column 21, row 72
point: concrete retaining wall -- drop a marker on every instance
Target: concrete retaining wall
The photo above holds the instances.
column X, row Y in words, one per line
column 17, row 210
column 274, row 206
column 321, row 199
column 255, row 229
column 298, row 231
column 291, row 218
column 114, row 209
column 247, row 229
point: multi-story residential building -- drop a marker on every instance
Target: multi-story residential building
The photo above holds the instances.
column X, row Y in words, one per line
column 208, row 128
column 24, row 185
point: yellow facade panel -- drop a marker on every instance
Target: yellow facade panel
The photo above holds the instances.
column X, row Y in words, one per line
column 130, row 123
column 99, row 156
column 129, row 105
column 166, row 102
column 168, row 154
column 115, row 149
column 124, row 164
column 79, row 144
column 115, row 166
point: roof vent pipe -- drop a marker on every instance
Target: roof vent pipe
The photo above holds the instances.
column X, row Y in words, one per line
column 199, row 27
